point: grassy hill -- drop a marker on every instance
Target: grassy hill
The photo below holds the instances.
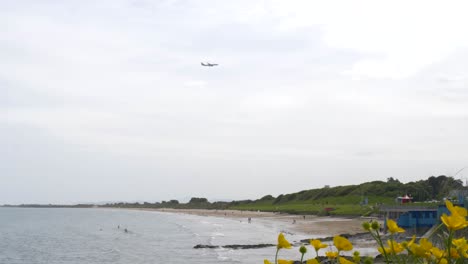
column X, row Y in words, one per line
column 331, row 205
column 339, row 200
column 349, row 199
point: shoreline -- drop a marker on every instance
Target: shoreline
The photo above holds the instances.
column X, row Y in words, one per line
column 306, row 224
column 310, row 227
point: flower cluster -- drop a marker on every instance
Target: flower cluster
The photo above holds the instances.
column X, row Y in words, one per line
column 340, row 243
column 453, row 251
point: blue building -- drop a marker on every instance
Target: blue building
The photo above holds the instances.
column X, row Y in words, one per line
column 422, row 217
column 411, row 217
column 418, row 218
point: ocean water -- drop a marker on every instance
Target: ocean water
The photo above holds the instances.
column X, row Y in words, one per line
column 82, row 236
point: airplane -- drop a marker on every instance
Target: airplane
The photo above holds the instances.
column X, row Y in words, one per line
column 209, row 64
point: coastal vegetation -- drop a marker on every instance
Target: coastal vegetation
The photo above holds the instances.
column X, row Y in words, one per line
column 348, row 200
column 361, row 199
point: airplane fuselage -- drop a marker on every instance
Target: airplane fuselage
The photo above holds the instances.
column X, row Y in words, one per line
column 209, row 64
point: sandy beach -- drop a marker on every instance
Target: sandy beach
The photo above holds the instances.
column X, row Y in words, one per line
column 309, row 224
column 323, row 226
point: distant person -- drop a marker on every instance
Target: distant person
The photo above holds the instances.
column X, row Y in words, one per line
column 294, row 221
column 118, row 227
column 126, row 231
column 303, row 217
column 250, row 220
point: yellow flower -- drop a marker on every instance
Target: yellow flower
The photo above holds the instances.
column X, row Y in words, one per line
column 457, row 218
column 342, row 244
column 423, row 249
column 461, row 245
column 426, row 244
column 454, row 222
column 454, row 253
column 393, row 227
column 266, row 261
column 345, row 261
column 312, row 261
column 420, row 252
column 411, row 242
column 282, row 242
column 331, row 254
column 384, row 250
column 437, row 253
column 317, row 244
column 393, row 248
column 283, row 261
column 443, row 261
column 455, row 210
column 407, row 244
column 465, row 253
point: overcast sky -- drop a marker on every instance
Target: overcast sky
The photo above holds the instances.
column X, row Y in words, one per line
column 107, row 100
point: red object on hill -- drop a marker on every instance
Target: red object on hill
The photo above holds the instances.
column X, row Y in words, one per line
column 405, row 199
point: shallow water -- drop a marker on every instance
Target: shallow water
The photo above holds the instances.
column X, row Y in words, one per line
column 29, row 236
column 72, row 236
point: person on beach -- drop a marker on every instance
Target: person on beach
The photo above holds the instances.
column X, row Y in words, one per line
column 249, row 220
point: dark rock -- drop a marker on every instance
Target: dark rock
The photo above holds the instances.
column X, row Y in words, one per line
column 205, row 246
column 379, row 257
column 235, row 246
column 248, row 246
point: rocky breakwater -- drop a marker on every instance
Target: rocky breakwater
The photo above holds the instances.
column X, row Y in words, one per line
column 235, row 246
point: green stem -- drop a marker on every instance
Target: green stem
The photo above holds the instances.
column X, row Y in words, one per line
column 395, row 256
column 379, row 241
column 302, row 257
column 393, row 249
column 276, row 256
column 449, row 246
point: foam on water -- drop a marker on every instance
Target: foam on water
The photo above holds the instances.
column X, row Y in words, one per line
column 82, row 236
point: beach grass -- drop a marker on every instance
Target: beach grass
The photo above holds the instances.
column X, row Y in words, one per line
column 340, row 206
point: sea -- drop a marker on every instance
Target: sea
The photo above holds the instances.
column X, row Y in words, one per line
column 92, row 236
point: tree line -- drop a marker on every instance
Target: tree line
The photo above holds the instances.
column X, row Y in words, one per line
column 433, row 188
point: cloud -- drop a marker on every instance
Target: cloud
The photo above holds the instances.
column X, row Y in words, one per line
column 195, row 83
column 397, row 39
column 303, row 89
